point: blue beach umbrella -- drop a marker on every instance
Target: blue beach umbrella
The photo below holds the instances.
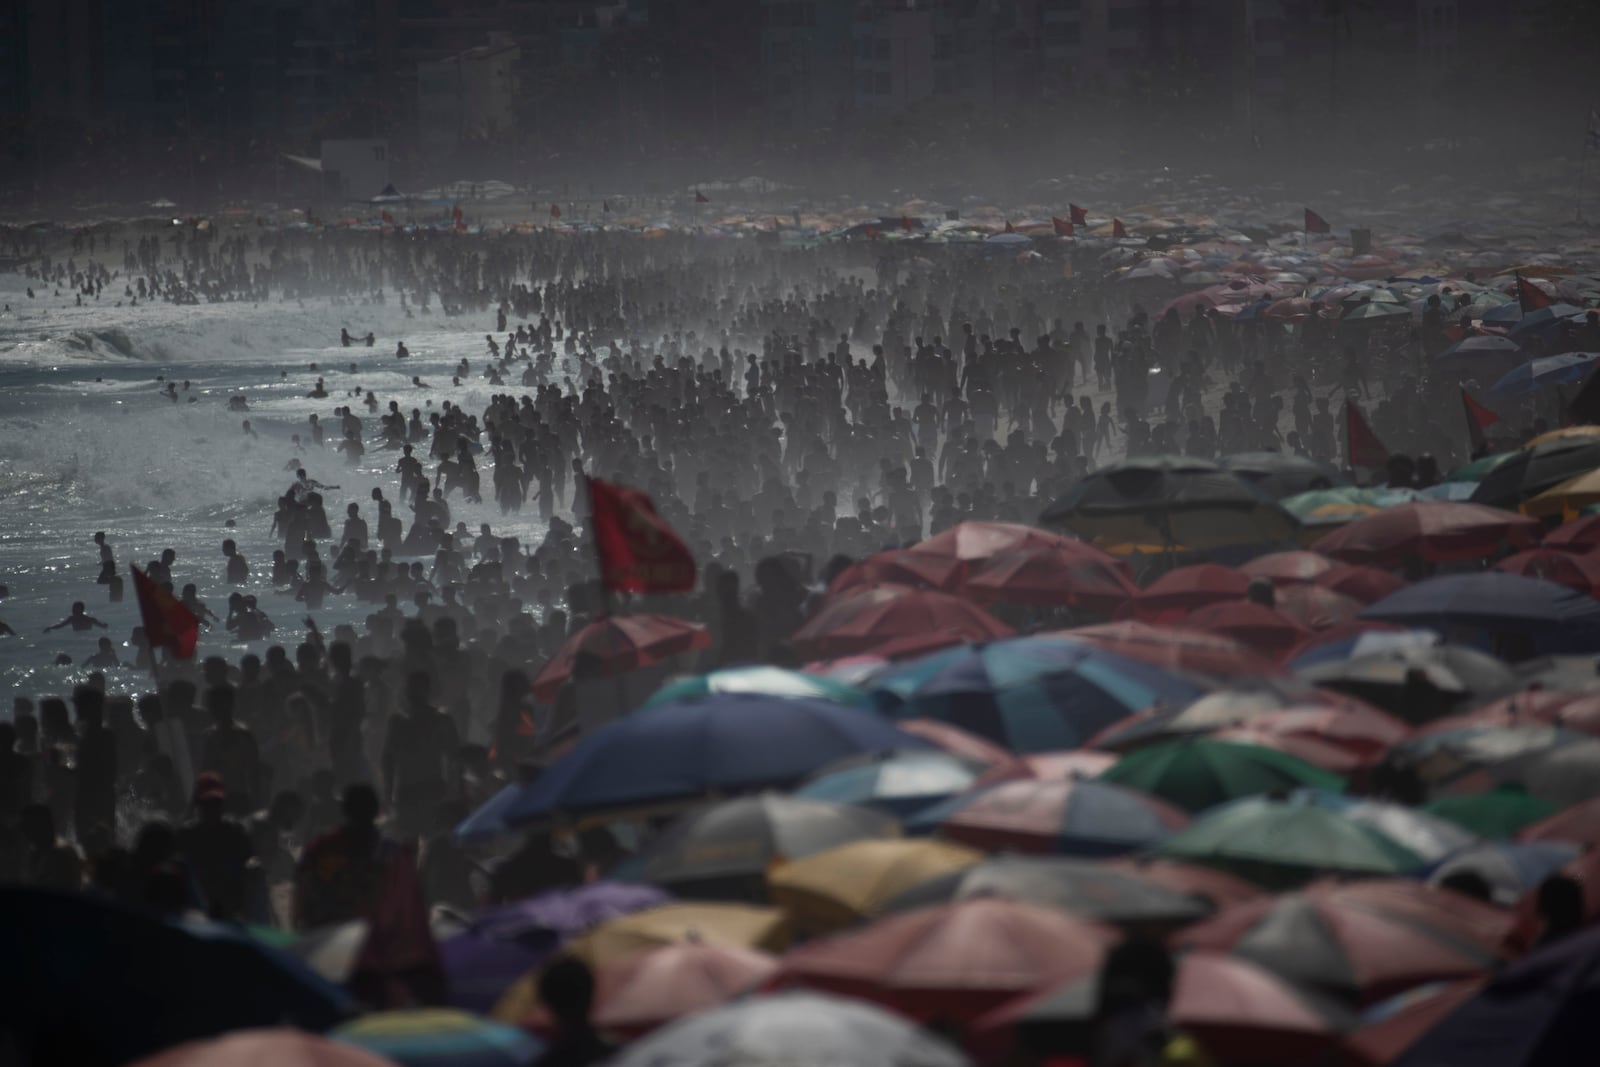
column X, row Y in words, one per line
column 1553, row 618
column 1546, row 370
column 900, row 783
column 1030, row 694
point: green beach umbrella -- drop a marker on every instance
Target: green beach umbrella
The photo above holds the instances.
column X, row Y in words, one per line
column 1497, row 813
column 1200, row 773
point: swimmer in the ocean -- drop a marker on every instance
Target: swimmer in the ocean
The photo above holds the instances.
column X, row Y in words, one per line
column 401, row 351
column 79, row 620
column 417, row 381
column 105, row 657
column 345, row 338
column 320, row 392
column 249, row 431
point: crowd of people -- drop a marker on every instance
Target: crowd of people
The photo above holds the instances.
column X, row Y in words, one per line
column 788, row 410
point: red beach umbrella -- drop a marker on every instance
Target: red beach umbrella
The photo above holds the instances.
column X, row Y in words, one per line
column 620, row 643
column 1438, row 531
column 865, row 618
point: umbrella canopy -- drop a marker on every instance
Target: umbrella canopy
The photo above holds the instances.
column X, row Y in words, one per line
column 1315, row 608
column 1511, row 869
column 1549, row 618
column 1217, row 710
column 440, row 1037
column 1216, row 888
column 958, row 742
column 865, row 618
column 1176, row 648
column 1495, row 813
column 1238, row 1011
column 1565, row 498
column 1196, row 773
column 1477, row 758
column 1535, row 469
column 761, row 681
column 1434, row 530
column 1050, row 577
column 976, row 542
column 834, row 889
column 722, row 851
column 1566, row 772
column 502, row 944
column 1536, row 1011
column 1288, row 568
column 1581, row 573
column 1073, row 818
column 1537, row 373
column 619, row 643
column 1171, row 500
column 69, row 999
column 1579, row 712
column 1360, row 942
column 788, row 1029
column 1281, row 474
column 641, row 994
column 1366, row 584
column 1085, row 889
column 1417, row 682
column 723, row 743
column 1255, row 625
column 900, row 783
column 1580, row 535
column 900, row 567
column 1282, row 843
column 245, row 1048
column 1031, row 694
column 952, row 961
column 1180, row 591
column 1578, row 824
column 1360, row 730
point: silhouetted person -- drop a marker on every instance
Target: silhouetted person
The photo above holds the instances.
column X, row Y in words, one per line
column 218, row 850
column 1560, row 904
column 95, row 807
column 48, row 862
column 566, row 988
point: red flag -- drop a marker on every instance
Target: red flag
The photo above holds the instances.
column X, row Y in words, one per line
column 1530, row 296
column 1315, row 223
column 1010, row 228
column 906, row 223
column 1479, row 418
column 1118, row 229
column 1080, row 215
column 455, row 212
column 1063, row 227
column 555, row 211
column 639, row 552
column 701, row 198
column 871, row 231
column 1362, row 446
column 167, row 623
column 388, row 218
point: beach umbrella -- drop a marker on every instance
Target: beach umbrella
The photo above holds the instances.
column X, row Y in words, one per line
column 1569, row 497
column 1179, row 649
column 641, row 994
column 1294, row 567
column 246, row 1048
column 67, row 990
column 1049, row 577
column 899, row 567
column 1170, row 500
column 1582, row 432
column 617, row 644
column 1071, row 818
column 722, row 851
column 1536, row 1012
column 899, row 783
column 440, row 1037
column 1550, row 618
column 974, row 542
column 1495, row 813
column 1215, row 887
column 1511, row 869
column 1376, row 313
column 501, row 944
column 1280, row 841
column 1259, row 627
column 864, row 618
column 762, row 681
column 1545, row 319
column 1180, row 591
column 1031, row 694
column 1078, row 763
column 1563, row 568
column 1436, row 531
column 1565, row 772
column 1578, row 535
column 1538, row 468
column 835, row 889
column 1356, row 638
column 1359, row 730
column 1214, row 711
column 1479, row 469
column 1198, row 773
column 790, row 1029
column 1576, row 711
column 1282, row 474
column 1360, row 942
column 951, row 962
column 1314, row 608
column 1543, row 371
column 1237, row 1011
column 1083, row 888
column 723, row 743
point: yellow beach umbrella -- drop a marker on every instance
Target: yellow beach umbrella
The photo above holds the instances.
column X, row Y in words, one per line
column 739, row 925
column 1566, row 499
column 1565, row 433
column 831, row 890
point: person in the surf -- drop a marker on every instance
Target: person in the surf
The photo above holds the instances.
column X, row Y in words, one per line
column 401, row 351
column 344, row 337
column 319, row 392
column 80, row 619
